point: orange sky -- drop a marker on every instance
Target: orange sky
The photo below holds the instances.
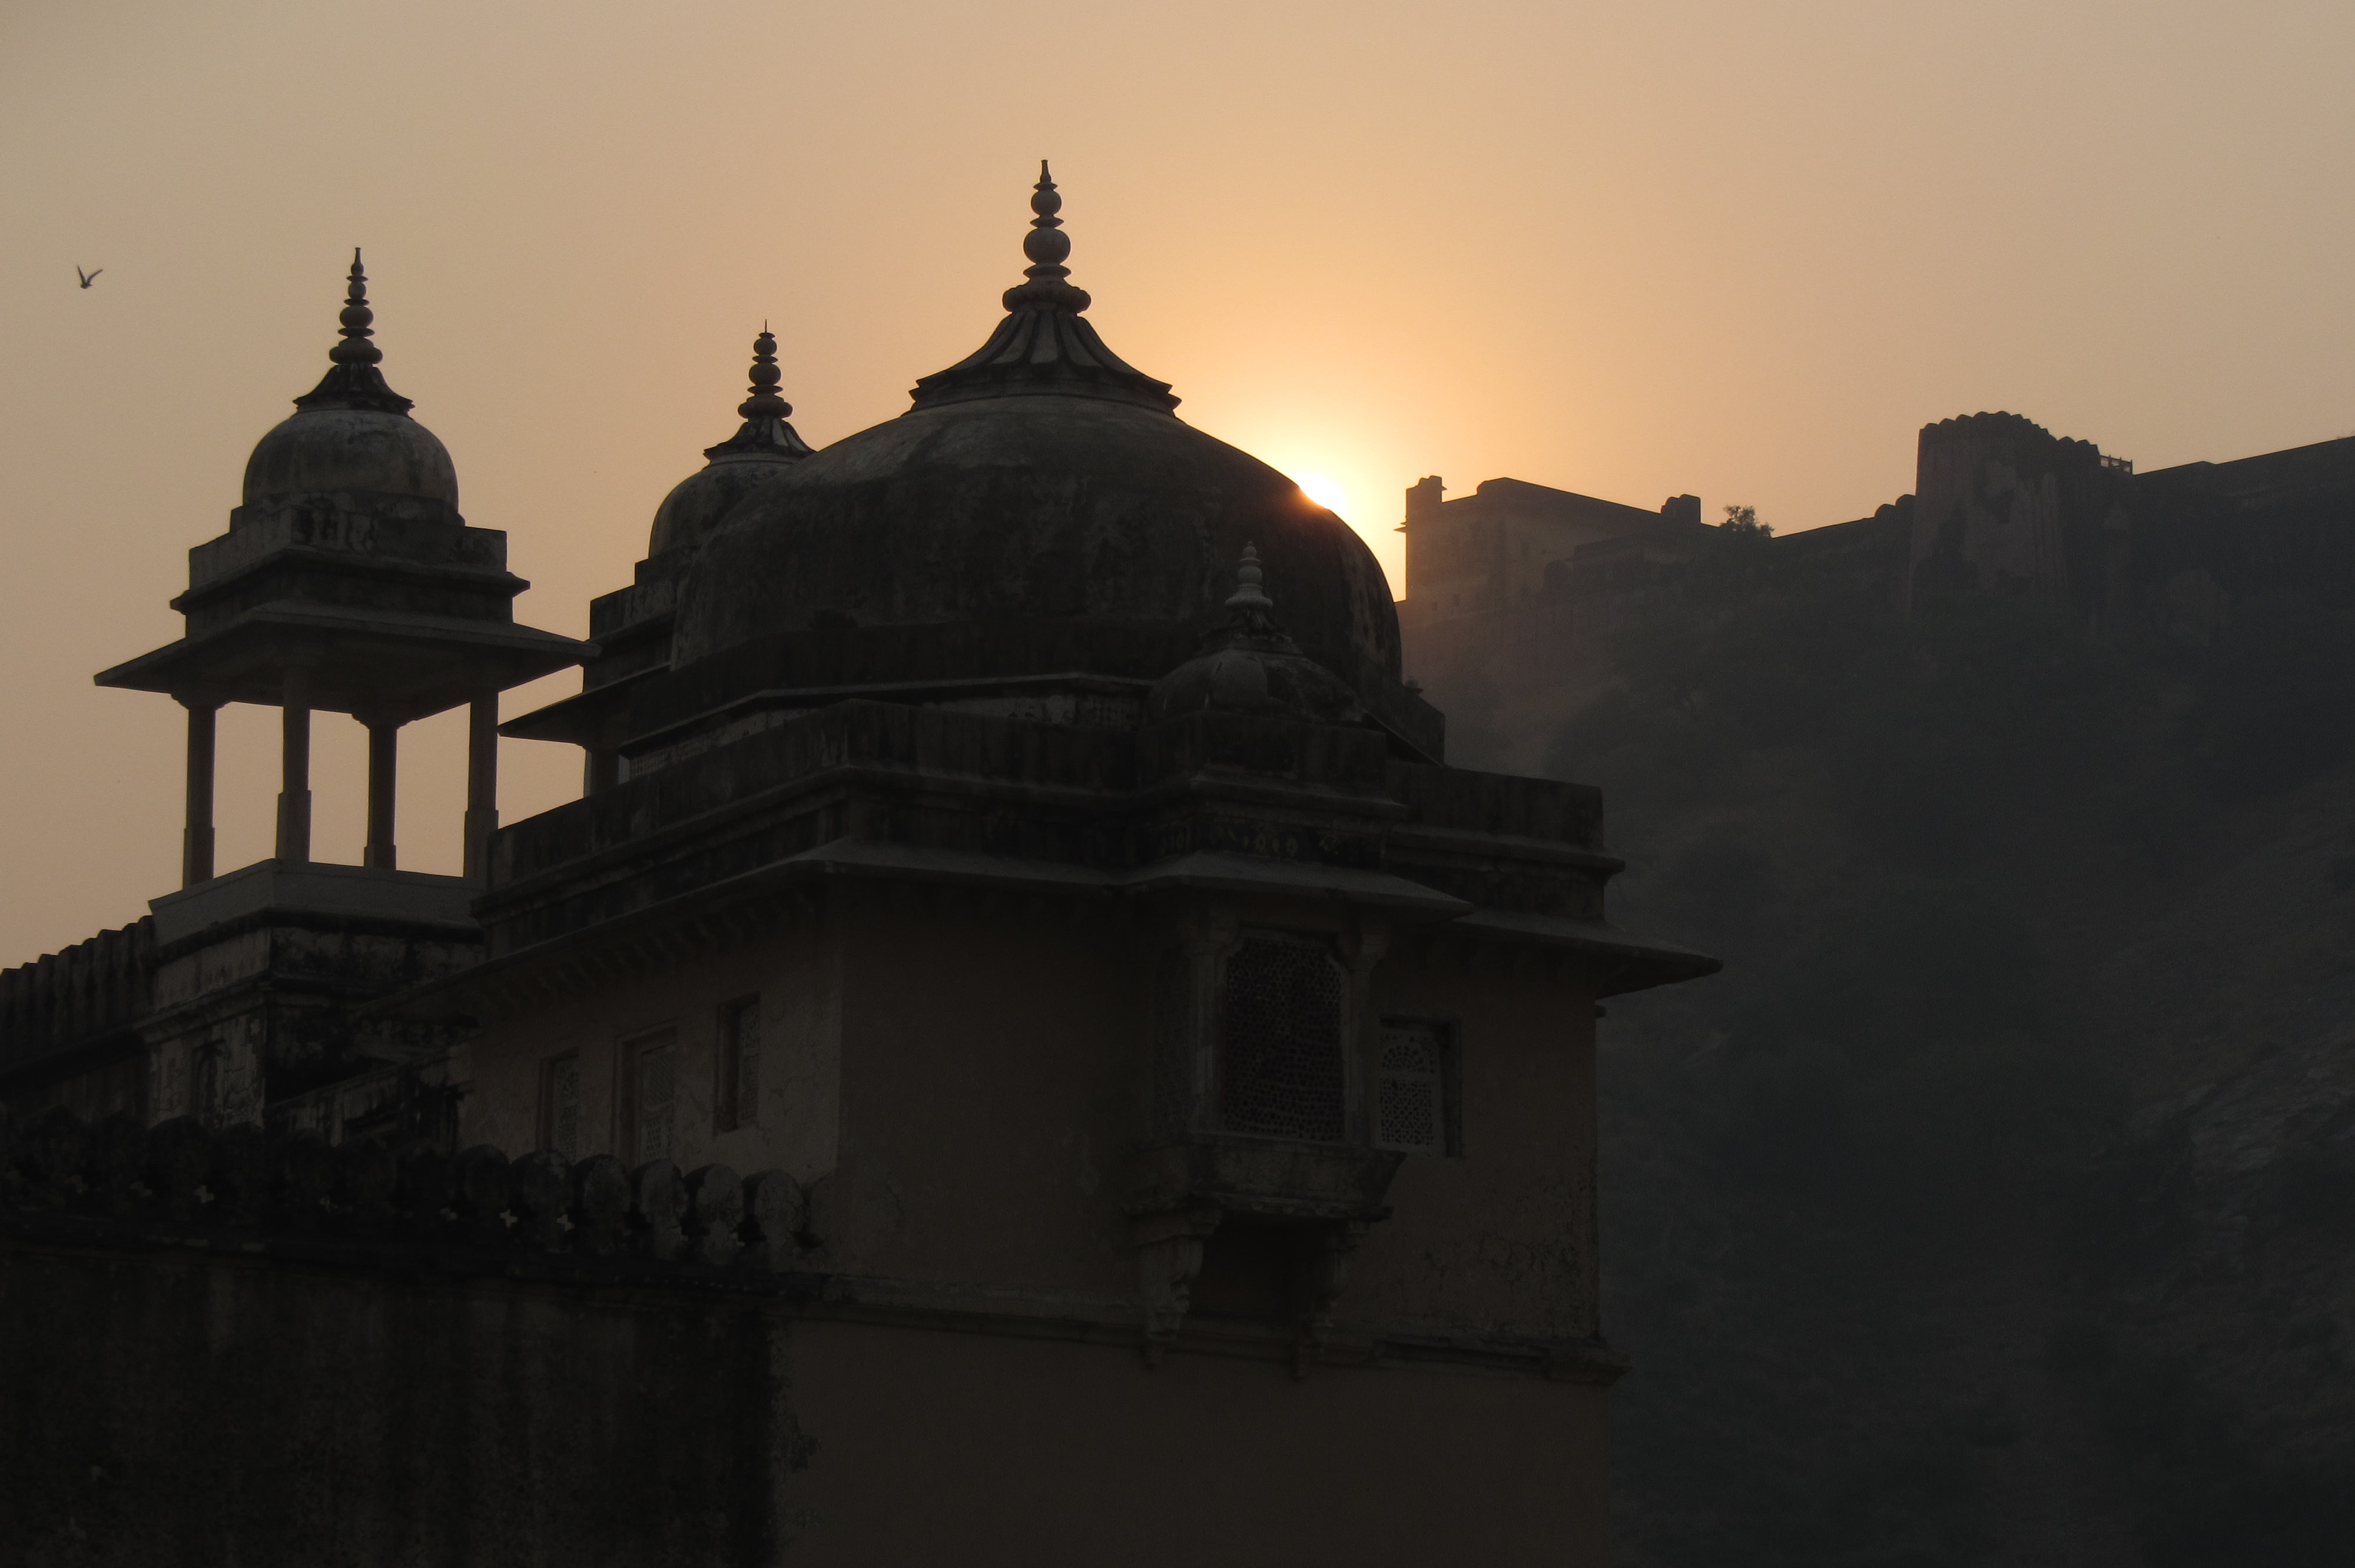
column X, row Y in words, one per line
column 1744, row 251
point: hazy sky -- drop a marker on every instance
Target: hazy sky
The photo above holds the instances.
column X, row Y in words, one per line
column 1744, row 251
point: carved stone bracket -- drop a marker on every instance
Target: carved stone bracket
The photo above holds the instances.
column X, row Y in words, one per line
column 1168, row 1256
column 1323, row 1255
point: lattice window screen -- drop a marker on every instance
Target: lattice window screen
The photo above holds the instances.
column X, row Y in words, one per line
column 1281, row 1071
column 1412, row 1110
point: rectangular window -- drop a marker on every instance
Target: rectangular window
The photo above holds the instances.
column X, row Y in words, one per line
column 736, row 1096
column 650, row 1099
column 1413, row 1111
column 559, row 1104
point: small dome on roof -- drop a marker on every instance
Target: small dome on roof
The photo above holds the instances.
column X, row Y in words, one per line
column 765, row 447
column 1250, row 666
column 351, row 449
column 352, row 433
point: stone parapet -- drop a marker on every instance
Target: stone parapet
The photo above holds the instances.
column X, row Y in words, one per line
column 77, row 995
column 175, row 1184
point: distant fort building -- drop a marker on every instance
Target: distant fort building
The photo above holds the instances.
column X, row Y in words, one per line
column 1502, row 547
column 1515, row 592
column 1025, row 1051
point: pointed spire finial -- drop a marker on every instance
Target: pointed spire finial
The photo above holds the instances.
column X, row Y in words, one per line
column 1047, row 245
column 764, row 432
column 765, row 403
column 359, row 321
column 1044, row 344
column 1250, row 618
column 353, row 380
column 1248, row 594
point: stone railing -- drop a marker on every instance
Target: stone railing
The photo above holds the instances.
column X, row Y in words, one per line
column 177, row 1183
column 77, row 993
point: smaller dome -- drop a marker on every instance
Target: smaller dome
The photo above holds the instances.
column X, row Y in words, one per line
column 763, row 448
column 351, row 449
column 1250, row 666
column 352, row 433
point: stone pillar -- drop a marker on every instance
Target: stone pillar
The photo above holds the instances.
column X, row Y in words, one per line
column 196, row 838
column 295, row 758
column 482, row 783
column 384, row 776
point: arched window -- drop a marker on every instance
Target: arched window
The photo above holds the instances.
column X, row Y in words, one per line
column 1281, row 1072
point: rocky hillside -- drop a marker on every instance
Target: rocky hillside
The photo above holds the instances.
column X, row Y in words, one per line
column 1996, row 1204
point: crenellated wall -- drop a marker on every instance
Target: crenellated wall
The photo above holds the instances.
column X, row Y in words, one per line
column 68, row 1020
column 221, row 1349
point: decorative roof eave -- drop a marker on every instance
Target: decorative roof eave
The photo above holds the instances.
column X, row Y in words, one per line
column 688, row 925
column 1044, row 346
column 392, row 661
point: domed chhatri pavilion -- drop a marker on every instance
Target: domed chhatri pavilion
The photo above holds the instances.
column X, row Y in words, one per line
column 1006, row 830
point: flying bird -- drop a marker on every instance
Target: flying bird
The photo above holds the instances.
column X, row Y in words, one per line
column 86, row 278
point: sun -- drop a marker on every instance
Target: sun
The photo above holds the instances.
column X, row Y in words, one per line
column 1325, row 493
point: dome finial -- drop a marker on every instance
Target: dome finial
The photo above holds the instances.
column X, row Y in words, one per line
column 1043, row 345
column 1046, row 244
column 355, row 382
column 765, row 403
column 1249, row 615
column 359, row 321
column 1248, row 594
column 764, row 432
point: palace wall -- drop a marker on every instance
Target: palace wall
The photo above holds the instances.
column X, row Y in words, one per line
column 165, row 1407
column 226, row 1349
column 1038, row 1451
column 236, row 1349
column 1026, row 1054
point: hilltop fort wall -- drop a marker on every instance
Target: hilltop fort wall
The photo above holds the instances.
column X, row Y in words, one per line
column 1999, row 505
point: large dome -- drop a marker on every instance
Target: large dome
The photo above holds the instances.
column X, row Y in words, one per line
column 1042, row 478
column 1027, row 507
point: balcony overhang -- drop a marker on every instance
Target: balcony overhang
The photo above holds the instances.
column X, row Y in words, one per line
column 1265, row 1178
column 377, row 663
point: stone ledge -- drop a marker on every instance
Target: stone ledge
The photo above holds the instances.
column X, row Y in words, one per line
column 315, row 887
